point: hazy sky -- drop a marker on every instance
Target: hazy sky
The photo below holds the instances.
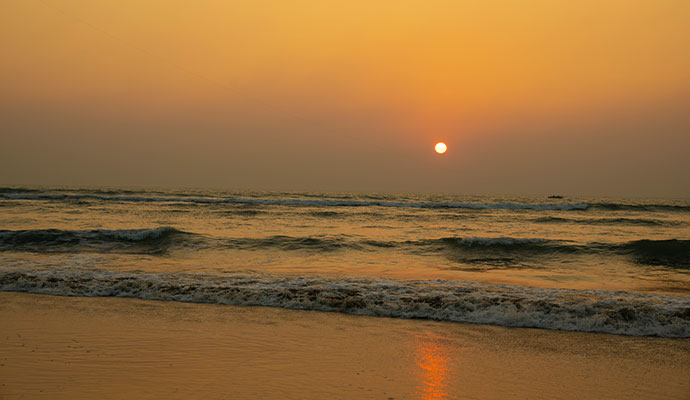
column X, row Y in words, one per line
column 573, row 97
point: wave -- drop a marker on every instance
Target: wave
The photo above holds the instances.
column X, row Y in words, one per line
column 290, row 243
column 19, row 190
column 320, row 199
column 474, row 250
column 666, row 252
column 481, row 242
column 151, row 241
column 670, row 253
column 570, row 310
column 607, row 221
column 301, row 202
column 640, row 207
column 423, row 246
column 56, row 240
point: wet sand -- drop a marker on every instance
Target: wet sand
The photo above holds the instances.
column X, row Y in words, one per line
column 72, row 348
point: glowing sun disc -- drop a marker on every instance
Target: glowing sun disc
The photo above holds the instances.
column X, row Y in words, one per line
column 440, row 147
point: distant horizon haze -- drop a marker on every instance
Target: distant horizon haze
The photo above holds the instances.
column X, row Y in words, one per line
column 536, row 98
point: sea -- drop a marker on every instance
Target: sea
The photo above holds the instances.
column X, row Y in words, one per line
column 610, row 265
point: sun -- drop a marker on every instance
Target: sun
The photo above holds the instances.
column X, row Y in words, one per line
column 440, row 147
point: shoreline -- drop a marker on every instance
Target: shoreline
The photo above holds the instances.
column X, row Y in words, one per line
column 596, row 311
column 79, row 347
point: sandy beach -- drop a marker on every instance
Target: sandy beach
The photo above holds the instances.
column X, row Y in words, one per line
column 66, row 347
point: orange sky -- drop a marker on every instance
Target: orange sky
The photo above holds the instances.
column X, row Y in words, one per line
column 584, row 97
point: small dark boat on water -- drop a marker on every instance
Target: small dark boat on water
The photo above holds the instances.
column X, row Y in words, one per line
column 555, row 196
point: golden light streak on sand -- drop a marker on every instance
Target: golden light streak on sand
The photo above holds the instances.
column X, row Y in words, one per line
column 433, row 362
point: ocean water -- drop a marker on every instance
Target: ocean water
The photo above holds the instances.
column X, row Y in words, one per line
column 583, row 264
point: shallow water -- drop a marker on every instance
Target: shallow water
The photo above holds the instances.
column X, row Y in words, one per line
column 601, row 265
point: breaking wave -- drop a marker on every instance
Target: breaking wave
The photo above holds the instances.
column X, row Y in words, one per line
column 154, row 240
column 570, row 310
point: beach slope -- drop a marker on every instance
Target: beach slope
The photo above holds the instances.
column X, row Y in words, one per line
column 78, row 348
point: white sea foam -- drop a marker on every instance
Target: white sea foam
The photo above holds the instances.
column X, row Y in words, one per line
column 588, row 311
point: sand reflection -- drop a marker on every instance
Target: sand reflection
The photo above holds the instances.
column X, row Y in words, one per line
column 433, row 356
